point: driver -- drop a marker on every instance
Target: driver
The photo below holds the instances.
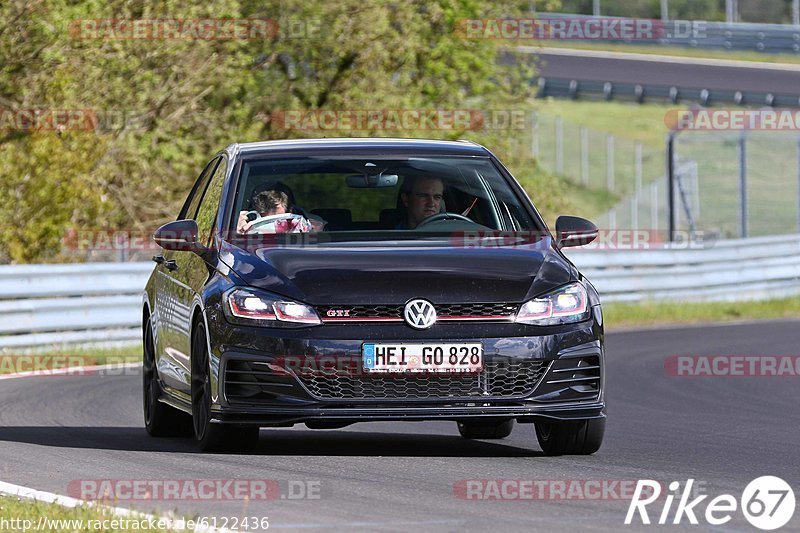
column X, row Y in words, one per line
column 273, row 204
column 422, row 200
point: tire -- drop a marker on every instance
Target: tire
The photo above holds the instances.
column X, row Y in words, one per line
column 486, row 429
column 160, row 419
column 213, row 437
column 582, row 437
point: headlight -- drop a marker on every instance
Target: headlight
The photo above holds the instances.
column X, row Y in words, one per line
column 251, row 307
column 567, row 304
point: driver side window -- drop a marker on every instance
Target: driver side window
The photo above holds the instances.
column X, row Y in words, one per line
column 207, row 213
column 193, row 201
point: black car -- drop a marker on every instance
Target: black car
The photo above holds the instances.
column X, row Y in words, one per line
column 335, row 281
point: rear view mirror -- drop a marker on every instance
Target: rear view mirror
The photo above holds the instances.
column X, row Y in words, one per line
column 179, row 235
column 574, row 231
column 366, row 181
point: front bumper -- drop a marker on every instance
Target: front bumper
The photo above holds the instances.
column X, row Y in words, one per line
column 557, row 374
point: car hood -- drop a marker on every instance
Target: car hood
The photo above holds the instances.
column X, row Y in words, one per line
column 367, row 275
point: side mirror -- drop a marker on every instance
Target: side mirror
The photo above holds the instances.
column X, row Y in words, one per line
column 574, row 231
column 179, row 235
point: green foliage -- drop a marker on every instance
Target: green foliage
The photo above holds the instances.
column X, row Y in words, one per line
column 177, row 102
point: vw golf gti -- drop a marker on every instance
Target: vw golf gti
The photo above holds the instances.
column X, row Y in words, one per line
column 333, row 281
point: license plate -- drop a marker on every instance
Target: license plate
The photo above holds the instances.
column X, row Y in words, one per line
column 427, row 357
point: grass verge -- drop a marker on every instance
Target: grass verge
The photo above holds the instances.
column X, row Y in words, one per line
column 634, row 315
column 11, row 362
column 679, row 51
column 18, row 514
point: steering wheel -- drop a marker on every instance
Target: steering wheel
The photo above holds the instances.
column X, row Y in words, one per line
column 269, row 219
column 444, row 216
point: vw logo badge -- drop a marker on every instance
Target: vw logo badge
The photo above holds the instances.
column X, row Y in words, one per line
column 419, row 314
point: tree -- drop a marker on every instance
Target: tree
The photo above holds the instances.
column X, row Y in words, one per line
column 164, row 106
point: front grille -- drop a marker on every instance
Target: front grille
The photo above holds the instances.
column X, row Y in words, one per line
column 499, row 379
column 355, row 312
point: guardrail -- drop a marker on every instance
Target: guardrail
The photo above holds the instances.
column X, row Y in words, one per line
column 52, row 305
column 730, row 270
column 44, row 305
column 757, row 37
column 577, row 89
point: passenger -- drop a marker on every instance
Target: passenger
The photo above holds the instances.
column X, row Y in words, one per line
column 422, row 198
column 317, row 222
column 274, row 205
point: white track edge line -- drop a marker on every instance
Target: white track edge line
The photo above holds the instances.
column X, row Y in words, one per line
column 28, row 493
column 69, row 370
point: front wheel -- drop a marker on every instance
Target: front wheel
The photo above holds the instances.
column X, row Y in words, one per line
column 581, row 437
column 213, row 437
column 160, row 420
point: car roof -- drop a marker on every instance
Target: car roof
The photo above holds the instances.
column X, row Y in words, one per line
column 336, row 146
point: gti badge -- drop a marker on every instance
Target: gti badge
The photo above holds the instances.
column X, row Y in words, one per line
column 338, row 312
column 419, row 314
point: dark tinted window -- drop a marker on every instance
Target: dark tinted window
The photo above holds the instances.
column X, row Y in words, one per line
column 207, row 214
column 193, row 201
column 372, row 195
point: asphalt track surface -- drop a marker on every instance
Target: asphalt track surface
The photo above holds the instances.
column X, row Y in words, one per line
column 676, row 71
column 721, row 431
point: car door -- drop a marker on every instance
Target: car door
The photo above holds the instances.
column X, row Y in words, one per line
column 190, row 273
column 171, row 356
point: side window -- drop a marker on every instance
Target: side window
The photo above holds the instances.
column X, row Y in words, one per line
column 190, row 206
column 207, row 214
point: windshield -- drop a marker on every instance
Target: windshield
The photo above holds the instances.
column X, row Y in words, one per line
column 376, row 199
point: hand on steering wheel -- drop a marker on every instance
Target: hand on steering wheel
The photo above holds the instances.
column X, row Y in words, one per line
column 262, row 221
column 444, row 216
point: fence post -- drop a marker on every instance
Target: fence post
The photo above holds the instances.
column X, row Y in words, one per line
column 584, row 156
column 634, row 211
column 743, row 184
column 671, row 186
column 610, row 163
column 798, row 184
column 535, row 136
column 559, row 146
column 654, row 206
column 638, row 167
